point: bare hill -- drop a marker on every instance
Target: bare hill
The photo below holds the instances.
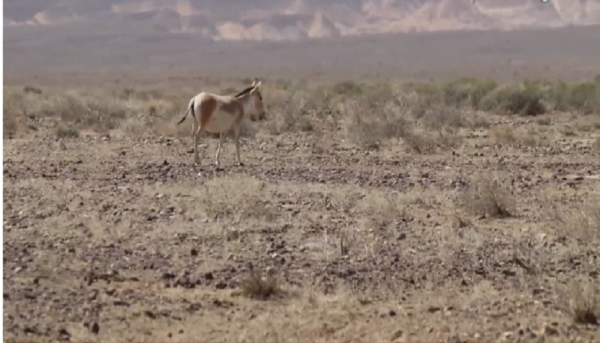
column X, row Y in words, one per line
column 299, row 19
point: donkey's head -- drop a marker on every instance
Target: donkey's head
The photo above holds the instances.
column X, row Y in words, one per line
column 254, row 102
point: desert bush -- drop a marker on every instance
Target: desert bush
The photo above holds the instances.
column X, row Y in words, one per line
column 236, row 198
column 294, row 111
column 384, row 209
column 370, row 114
column 506, row 135
column 65, row 132
column 466, row 92
column 101, row 115
column 581, row 300
column 582, row 222
column 13, row 110
column 379, row 115
column 583, row 97
column 257, row 286
column 530, row 98
column 32, row 89
column 440, row 117
column 371, row 125
column 523, row 99
column 487, row 198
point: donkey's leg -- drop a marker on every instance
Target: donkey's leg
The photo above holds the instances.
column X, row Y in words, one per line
column 218, row 155
column 236, row 132
column 195, row 134
column 196, row 142
column 196, row 157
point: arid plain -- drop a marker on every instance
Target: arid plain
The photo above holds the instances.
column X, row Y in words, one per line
column 369, row 209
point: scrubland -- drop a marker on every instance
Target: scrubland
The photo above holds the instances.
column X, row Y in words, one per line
column 366, row 212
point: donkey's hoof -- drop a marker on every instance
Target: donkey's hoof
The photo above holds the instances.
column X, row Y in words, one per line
column 240, row 164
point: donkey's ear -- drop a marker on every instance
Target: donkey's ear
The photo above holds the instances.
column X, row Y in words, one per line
column 256, row 84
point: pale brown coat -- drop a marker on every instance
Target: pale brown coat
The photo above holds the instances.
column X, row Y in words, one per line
column 220, row 113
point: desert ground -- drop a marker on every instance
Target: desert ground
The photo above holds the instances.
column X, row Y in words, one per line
column 368, row 210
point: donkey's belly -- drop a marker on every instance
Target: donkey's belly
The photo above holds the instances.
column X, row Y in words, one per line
column 220, row 122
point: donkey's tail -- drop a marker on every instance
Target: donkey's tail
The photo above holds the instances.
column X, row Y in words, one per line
column 190, row 109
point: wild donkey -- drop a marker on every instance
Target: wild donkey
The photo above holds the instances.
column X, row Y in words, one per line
column 220, row 113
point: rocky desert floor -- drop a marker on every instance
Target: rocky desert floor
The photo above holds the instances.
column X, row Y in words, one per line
column 118, row 237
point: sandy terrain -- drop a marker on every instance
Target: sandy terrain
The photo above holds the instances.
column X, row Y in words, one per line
column 466, row 226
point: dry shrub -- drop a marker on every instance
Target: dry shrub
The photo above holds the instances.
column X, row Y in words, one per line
column 65, row 132
column 525, row 99
column 384, row 209
column 13, row 111
column 292, row 111
column 130, row 93
column 582, row 222
column 441, row 117
column 487, row 198
column 236, row 198
column 32, row 89
column 257, row 286
column 99, row 115
column 422, row 143
column 348, row 240
column 580, row 97
column 588, row 123
column 596, row 143
column 506, row 135
column 377, row 117
column 370, row 126
column 581, row 300
column 545, row 121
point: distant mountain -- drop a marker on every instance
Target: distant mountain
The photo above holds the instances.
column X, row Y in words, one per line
column 298, row 19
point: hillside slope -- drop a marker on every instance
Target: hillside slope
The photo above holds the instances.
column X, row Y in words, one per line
column 299, row 19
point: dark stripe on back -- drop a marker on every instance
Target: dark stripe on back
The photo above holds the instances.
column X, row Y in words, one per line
column 244, row 91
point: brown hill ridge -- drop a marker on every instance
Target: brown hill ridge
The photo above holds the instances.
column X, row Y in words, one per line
column 300, row 19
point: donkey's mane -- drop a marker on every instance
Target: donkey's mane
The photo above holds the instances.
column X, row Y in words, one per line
column 244, row 91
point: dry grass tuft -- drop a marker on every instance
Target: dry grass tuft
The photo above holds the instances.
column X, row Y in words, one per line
column 13, row 111
column 257, row 286
column 293, row 111
column 65, row 132
column 582, row 222
column 596, row 143
column 370, row 128
column 371, row 124
column 581, row 300
column 506, row 135
column 236, row 198
column 384, row 209
column 488, row 198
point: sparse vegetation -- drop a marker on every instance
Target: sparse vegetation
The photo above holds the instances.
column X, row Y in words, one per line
column 236, row 199
column 505, row 134
column 350, row 193
column 488, row 198
column 260, row 287
column 64, row 132
column 583, row 222
column 427, row 117
column 581, row 300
